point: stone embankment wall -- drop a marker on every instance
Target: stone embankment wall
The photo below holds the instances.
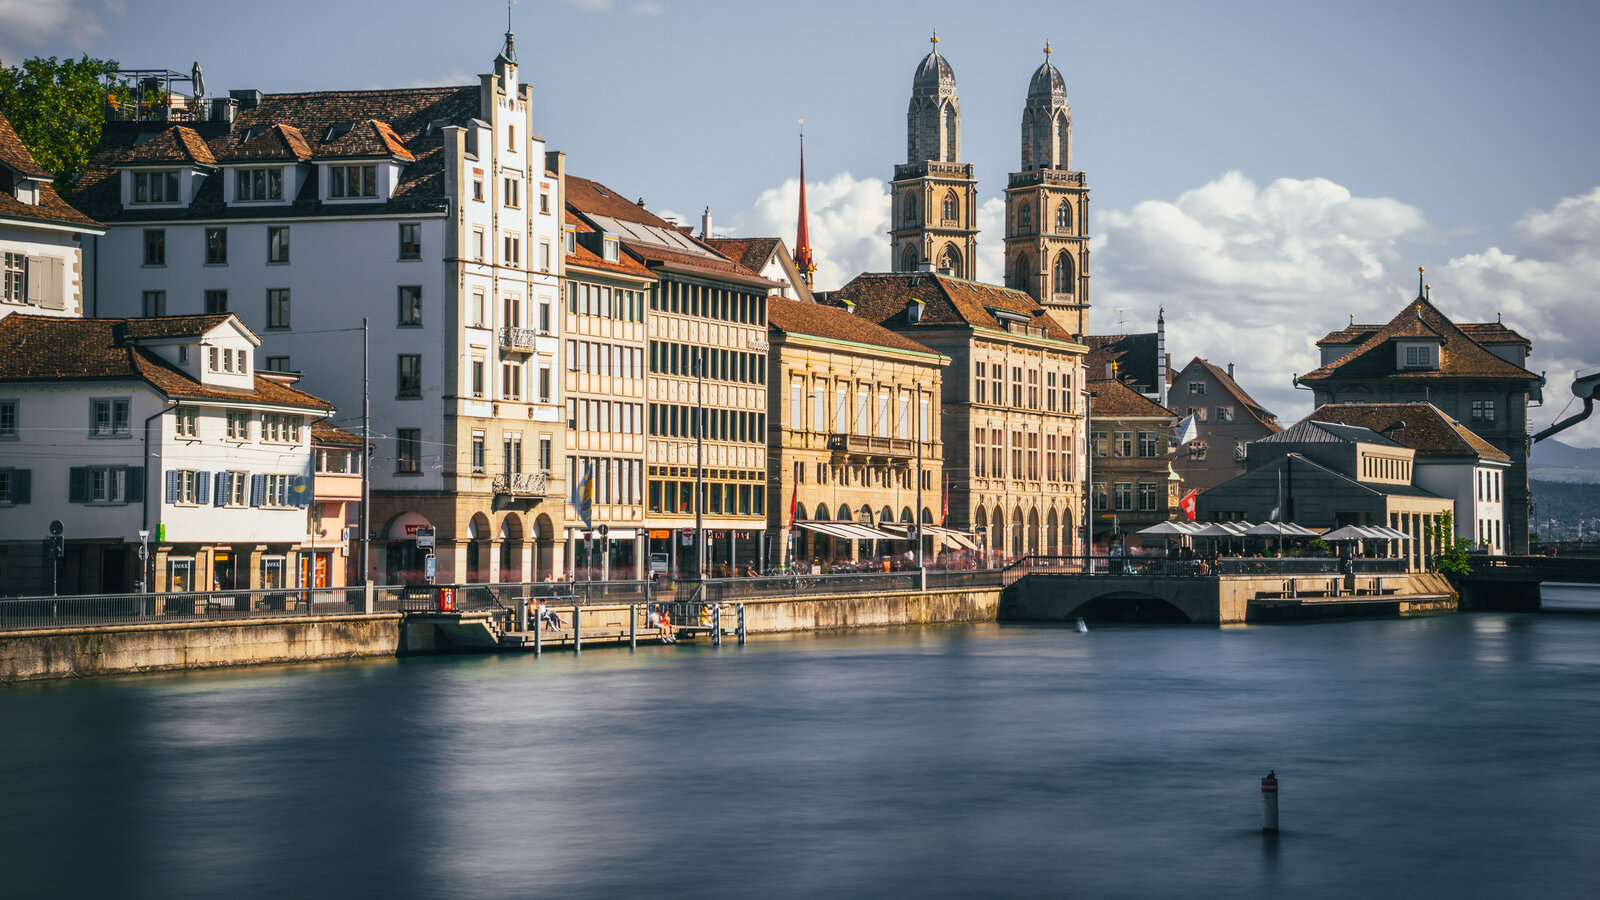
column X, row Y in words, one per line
column 111, row 650
column 825, row 613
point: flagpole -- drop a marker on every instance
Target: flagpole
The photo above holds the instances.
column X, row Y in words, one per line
column 916, row 517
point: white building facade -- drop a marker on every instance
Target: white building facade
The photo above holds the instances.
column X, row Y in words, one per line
column 41, row 255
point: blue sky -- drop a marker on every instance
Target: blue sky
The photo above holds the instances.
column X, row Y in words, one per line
column 1260, row 169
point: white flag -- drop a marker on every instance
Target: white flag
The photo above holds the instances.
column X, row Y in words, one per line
column 1187, row 430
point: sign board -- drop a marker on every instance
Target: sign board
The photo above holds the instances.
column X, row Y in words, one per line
column 424, row 535
column 430, row 567
column 687, row 537
column 660, row 534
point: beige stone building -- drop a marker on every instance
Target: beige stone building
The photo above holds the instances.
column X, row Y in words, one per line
column 604, row 380
column 854, row 431
column 1011, row 416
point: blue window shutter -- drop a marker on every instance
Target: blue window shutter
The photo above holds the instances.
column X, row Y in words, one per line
column 78, row 484
column 202, row 488
column 135, row 484
column 21, row 485
column 258, row 489
column 224, row 487
column 174, row 485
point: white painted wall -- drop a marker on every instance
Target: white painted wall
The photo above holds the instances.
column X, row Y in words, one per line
column 54, row 272
column 1458, row 481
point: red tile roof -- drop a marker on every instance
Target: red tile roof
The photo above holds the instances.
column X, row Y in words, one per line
column 1113, row 399
column 178, row 144
column 1421, row 426
column 51, row 348
column 395, row 123
column 1459, row 357
column 325, row 432
column 280, row 143
column 596, row 199
column 14, row 154
column 624, row 264
column 797, row 317
column 947, row 301
column 50, row 209
column 752, row 253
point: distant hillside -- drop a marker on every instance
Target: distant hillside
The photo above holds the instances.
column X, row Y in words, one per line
column 1565, row 511
column 1555, row 461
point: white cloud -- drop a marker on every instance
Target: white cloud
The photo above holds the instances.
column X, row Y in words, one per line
column 991, row 241
column 26, row 24
column 849, row 224
column 648, row 9
column 590, row 5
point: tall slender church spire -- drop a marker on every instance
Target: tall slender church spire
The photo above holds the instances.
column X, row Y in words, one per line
column 802, row 239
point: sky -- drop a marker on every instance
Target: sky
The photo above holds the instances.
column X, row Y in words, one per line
column 1260, row 170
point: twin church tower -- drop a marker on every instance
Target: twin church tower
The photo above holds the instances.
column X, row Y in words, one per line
column 934, row 223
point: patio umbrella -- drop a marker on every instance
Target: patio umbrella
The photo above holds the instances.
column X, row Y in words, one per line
column 1349, row 533
column 1180, row 529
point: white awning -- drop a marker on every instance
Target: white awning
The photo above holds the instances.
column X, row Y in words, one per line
column 959, row 538
column 850, row 531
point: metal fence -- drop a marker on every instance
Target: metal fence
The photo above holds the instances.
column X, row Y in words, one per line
column 146, row 609
column 1178, row 567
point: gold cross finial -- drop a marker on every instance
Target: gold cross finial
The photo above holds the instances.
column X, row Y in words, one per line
column 935, row 38
column 1047, row 50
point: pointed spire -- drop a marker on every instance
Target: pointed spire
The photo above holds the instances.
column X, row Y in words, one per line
column 802, row 241
column 509, row 53
column 1421, row 288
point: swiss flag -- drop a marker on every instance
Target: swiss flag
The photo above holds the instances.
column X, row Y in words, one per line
column 1187, row 505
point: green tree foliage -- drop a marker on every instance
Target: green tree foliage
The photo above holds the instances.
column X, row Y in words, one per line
column 1452, row 558
column 58, row 108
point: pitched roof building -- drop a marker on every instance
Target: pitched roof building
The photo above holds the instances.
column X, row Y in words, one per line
column 1473, row 373
column 1131, row 437
column 1227, row 419
column 41, row 259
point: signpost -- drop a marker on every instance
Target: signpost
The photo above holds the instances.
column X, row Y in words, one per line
column 430, row 567
column 425, row 535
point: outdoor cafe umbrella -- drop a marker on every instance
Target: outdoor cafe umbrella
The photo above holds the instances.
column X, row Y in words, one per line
column 1171, row 529
column 1219, row 530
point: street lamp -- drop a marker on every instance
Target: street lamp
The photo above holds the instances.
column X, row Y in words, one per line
column 144, row 559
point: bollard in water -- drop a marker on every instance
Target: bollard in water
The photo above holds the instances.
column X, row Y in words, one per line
column 716, row 625
column 741, row 623
column 522, row 614
column 1269, row 802
column 577, row 631
column 633, row 626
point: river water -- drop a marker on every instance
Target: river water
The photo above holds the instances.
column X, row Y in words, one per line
column 1456, row 756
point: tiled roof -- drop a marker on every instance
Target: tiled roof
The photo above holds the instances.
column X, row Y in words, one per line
column 51, row 348
column 1223, row 380
column 655, row 254
column 325, row 432
column 280, row 143
column 1492, row 333
column 1421, row 426
column 1460, row 356
column 370, row 139
column 797, row 317
column 594, row 198
column 1113, row 399
column 752, row 253
column 178, row 144
column 947, row 301
column 588, row 259
column 382, row 120
column 1134, row 354
column 14, row 154
column 1307, row 431
column 50, row 209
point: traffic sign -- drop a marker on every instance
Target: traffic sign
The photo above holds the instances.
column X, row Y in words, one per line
column 604, row 529
column 430, row 567
column 687, row 537
column 425, row 536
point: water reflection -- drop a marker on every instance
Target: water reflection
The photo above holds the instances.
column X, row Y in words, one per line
column 958, row 761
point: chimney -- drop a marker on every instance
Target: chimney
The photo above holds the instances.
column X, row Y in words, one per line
column 1230, row 370
column 247, row 99
column 705, row 225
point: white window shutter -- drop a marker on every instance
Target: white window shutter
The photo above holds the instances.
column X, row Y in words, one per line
column 52, row 295
column 35, row 278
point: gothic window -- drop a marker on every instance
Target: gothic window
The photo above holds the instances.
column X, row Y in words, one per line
column 908, row 259
column 1064, row 217
column 952, row 134
column 952, row 206
column 1019, row 273
column 911, row 214
column 1063, row 274
column 1024, row 218
column 951, row 260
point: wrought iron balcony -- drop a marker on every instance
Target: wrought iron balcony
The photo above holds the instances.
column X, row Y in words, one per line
column 522, row 340
column 522, row 484
column 865, row 445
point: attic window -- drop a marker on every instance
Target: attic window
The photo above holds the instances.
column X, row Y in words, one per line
column 338, row 131
column 435, row 127
column 1421, row 356
column 250, row 132
column 155, row 187
column 609, row 247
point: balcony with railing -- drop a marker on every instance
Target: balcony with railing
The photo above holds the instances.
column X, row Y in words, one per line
column 1047, row 176
column 522, row 484
column 519, row 340
column 866, row 445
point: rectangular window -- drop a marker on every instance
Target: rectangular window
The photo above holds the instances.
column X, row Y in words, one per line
column 511, row 381
column 1224, row 414
column 1483, row 410
column 1147, row 496
column 477, row 376
column 1147, row 445
column 1197, row 449
column 238, row 489
column 8, row 419
column 258, row 184
column 155, row 246
column 479, row 311
column 1197, row 388
column 216, row 302
column 410, row 306
column 279, row 364
column 1123, row 495
column 408, row 450
column 186, row 421
column 154, row 303
column 544, row 200
column 276, row 492
column 108, row 418
column 14, row 278
column 410, row 240
column 1122, row 444
column 107, row 484
column 513, row 250
column 544, row 256
column 188, row 485
column 544, row 315
column 353, row 181
column 1421, row 356
column 278, row 244
column 277, row 307
column 477, row 189
column 477, row 451
column 544, row 384
column 477, row 244
column 1097, row 441
column 155, row 187
column 238, row 425
column 409, row 375
column 1016, row 386
column 216, row 246
column 545, row 450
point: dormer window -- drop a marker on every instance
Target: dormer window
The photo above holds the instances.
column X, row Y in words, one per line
column 609, row 248
column 353, row 181
column 1420, row 356
column 258, row 184
column 156, row 187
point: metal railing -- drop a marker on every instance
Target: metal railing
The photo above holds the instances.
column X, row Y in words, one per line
column 1181, row 567
column 519, row 338
column 34, row 613
column 522, row 484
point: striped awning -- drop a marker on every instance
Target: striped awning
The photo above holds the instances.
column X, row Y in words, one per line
column 850, row 531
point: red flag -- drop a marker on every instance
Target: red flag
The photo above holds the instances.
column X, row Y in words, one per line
column 1187, row 505
column 944, row 509
column 794, row 502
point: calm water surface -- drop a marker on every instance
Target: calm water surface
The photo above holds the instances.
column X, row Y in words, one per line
column 1456, row 757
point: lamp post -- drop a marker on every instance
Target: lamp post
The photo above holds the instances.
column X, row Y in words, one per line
column 700, row 462
column 144, row 559
column 1088, row 482
column 366, row 458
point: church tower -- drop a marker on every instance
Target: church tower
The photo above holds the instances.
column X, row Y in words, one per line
column 934, row 222
column 1047, row 207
